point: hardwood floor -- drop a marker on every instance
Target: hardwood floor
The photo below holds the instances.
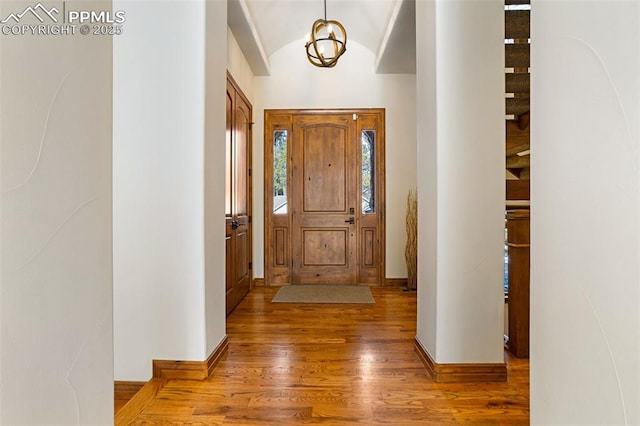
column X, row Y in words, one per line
column 331, row 365
column 123, row 392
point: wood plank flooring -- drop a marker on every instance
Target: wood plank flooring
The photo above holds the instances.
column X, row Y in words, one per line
column 332, row 365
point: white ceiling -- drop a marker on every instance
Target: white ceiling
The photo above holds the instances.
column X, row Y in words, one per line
column 385, row 27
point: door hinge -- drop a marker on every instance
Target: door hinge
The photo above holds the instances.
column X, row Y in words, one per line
column 249, row 219
column 249, row 172
column 251, row 123
column 250, row 265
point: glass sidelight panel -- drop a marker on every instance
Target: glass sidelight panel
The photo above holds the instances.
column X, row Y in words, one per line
column 280, row 171
column 368, row 141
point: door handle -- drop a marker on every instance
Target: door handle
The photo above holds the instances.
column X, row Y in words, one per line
column 235, row 224
column 351, row 221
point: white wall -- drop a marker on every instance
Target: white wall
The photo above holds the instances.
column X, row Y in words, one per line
column 427, row 148
column 214, row 170
column 167, row 298
column 296, row 84
column 585, row 235
column 56, row 292
column 238, row 66
column 461, row 185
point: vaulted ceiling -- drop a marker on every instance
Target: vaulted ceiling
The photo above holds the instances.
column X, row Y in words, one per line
column 385, row 27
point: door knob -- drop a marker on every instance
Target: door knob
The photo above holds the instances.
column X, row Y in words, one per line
column 350, row 221
column 235, row 224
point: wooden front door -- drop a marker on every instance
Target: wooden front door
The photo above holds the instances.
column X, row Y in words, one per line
column 238, row 196
column 324, row 197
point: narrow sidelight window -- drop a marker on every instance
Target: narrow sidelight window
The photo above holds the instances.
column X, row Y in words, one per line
column 280, row 171
column 368, row 140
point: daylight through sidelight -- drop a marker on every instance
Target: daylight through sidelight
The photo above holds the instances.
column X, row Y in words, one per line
column 280, row 200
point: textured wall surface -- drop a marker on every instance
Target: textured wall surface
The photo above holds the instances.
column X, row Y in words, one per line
column 585, row 231
column 55, row 171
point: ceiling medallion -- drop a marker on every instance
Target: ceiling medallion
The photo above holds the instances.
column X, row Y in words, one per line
column 326, row 42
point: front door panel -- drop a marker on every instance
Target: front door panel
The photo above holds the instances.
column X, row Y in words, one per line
column 324, row 240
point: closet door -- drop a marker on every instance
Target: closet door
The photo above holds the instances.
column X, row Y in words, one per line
column 238, row 196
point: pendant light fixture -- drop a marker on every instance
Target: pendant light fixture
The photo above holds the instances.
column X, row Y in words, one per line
column 326, row 42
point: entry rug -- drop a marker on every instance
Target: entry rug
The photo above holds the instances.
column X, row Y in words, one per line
column 323, row 294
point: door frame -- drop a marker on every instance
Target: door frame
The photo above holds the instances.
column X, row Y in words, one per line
column 278, row 261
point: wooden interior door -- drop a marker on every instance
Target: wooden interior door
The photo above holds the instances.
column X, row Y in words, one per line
column 324, row 198
column 238, row 196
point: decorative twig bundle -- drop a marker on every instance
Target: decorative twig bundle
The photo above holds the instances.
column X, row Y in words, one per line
column 411, row 249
